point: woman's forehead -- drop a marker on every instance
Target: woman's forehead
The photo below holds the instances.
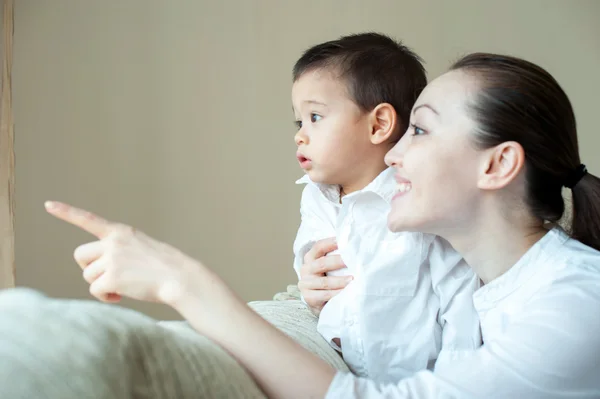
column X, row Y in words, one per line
column 447, row 92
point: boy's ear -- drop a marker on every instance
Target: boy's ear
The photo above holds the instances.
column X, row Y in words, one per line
column 384, row 123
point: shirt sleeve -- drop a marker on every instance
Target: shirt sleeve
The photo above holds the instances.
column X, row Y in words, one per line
column 314, row 225
column 549, row 350
column 454, row 282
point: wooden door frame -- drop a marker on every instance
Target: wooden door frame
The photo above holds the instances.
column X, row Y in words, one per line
column 7, row 154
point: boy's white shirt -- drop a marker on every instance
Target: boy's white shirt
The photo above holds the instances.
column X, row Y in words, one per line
column 409, row 306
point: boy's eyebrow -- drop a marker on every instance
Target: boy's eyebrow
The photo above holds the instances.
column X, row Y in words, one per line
column 425, row 106
column 315, row 103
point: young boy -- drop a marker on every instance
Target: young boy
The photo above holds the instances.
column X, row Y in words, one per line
column 409, row 305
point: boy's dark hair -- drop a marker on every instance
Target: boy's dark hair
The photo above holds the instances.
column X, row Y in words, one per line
column 377, row 69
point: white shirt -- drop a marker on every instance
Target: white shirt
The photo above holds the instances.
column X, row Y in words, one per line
column 541, row 333
column 410, row 302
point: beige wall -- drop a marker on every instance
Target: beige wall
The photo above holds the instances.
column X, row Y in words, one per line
column 175, row 116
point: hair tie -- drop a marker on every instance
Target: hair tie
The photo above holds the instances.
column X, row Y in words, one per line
column 575, row 175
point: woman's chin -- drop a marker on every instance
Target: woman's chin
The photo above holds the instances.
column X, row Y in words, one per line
column 397, row 222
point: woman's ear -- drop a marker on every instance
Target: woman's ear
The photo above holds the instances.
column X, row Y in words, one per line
column 384, row 123
column 501, row 165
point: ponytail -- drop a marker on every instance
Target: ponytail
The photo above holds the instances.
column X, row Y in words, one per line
column 517, row 100
column 585, row 222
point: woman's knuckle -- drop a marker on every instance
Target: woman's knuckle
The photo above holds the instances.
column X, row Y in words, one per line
column 126, row 231
column 95, row 291
column 88, row 216
column 78, row 253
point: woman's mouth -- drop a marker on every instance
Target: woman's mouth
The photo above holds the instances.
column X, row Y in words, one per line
column 403, row 186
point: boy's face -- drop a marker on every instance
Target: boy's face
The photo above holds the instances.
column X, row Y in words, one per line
column 333, row 132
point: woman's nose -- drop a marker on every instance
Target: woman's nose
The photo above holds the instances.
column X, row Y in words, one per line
column 394, row 156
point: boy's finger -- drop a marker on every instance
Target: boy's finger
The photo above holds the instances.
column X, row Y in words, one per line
column 327, row 264
column 318, row 298
column 321, row 248
column 321, row 266
column 326, row 295
column 85, row 220
column 325, row 283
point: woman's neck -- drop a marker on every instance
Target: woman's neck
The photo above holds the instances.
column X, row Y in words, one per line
column 495, row 245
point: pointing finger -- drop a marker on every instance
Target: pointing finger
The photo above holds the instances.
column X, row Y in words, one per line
column 85, row 220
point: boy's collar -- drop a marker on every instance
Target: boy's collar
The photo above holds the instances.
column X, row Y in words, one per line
column 384, row 185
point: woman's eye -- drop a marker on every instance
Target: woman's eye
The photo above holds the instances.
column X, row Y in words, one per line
column 417, row 131
column 315, row 118
column 298, row 124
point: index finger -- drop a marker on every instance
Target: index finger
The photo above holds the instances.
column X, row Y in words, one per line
column 321, row 248
column 85, row 220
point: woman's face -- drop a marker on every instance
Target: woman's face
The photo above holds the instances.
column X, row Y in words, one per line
column 437, row 163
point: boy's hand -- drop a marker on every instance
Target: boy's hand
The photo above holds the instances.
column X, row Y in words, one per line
column 316, row 287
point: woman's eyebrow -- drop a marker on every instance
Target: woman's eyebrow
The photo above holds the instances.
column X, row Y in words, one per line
column 425, row 106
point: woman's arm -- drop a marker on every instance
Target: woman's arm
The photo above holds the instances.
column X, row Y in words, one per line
column 126, row 262
column 280, row 366
column 547, row 348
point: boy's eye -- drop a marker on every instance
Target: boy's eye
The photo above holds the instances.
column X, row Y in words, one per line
column 313, row 118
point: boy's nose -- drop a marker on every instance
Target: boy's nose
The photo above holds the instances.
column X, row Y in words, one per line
column 299, row 138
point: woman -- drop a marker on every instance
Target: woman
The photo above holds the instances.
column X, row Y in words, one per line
column 491, row 144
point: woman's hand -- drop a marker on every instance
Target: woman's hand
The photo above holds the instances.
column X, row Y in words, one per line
column 316, row 287
column 126, row 262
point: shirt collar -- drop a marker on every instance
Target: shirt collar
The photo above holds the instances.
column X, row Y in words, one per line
column 384, row 185
column 525, row 268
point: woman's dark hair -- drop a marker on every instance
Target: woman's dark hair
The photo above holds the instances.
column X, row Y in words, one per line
column 519, row 101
